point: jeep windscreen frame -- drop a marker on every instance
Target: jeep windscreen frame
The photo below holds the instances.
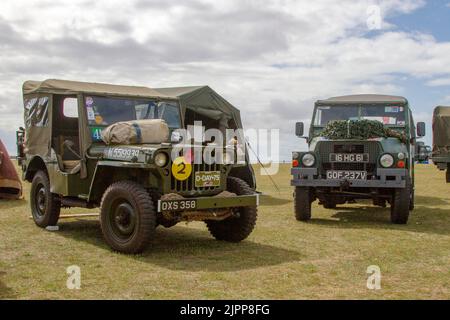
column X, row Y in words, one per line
column 103, row 111
column 390, row 115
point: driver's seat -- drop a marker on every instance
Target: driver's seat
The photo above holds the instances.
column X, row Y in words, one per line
column 68, row 160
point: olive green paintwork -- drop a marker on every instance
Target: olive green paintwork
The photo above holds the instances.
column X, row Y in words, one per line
column 100, row 164
column 387, row 145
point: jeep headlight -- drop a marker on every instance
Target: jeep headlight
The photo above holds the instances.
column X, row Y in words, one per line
column 387, row 161
column 161, row 159
column 308, row 160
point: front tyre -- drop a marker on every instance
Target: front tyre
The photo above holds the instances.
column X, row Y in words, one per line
column 127, row 218
column 238, row 227
column 401, row 203
column 45, row 206
column 302, row 203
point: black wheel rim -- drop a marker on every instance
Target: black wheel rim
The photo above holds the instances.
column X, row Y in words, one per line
column 40, row 200
column 122, row 219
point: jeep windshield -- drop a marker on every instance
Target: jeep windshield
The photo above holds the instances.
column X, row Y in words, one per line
column 389, row 115
column 104, row 111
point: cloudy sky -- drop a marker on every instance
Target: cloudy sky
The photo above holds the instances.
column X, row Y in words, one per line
column 272, row 59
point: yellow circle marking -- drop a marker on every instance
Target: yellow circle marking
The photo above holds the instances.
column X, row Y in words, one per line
column 181, row 169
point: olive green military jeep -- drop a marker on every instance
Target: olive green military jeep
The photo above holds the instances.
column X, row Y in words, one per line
column 346, row 161
column 138, row 185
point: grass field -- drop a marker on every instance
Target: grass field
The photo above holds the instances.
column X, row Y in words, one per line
column 282, row 259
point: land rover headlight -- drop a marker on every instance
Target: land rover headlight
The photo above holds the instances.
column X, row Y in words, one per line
column 401, row 156
column 161, row 159
column 308, row 160
column 387, row 161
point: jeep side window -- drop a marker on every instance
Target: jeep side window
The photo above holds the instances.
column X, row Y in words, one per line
column 36, row 112
column 70, row 107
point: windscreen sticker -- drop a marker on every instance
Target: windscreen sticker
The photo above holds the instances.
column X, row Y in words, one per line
column 89, row 101
column 96, row 134
column 393, row 109
column 90, row 114
column 389, row 120
column 98, row 119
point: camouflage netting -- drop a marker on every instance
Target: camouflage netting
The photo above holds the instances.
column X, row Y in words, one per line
column 359, row 130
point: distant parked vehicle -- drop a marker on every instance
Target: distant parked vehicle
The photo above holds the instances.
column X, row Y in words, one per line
column 441, row 139
column 423, row 152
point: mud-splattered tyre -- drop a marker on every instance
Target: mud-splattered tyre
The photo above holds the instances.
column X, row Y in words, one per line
column 401, row 203
column 127, row 218
column 302, row 203
column 239, row 227
column 45, row 206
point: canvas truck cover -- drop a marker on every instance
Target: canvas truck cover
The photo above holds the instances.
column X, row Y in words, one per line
column 10, row 185
column 441, row 130
column 136, row 132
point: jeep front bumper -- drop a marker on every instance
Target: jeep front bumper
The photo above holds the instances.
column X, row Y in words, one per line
column 385, row 178
column 207, row 203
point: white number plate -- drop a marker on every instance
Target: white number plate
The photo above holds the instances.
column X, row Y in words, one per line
column 346, row 175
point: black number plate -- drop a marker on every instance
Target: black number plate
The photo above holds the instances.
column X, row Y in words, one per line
column 176, row 205
column 346, row 175
column 349, row 157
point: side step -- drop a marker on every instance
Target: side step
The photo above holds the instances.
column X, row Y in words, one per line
column 76, row 202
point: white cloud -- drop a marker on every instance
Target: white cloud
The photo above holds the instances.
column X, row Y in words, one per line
column 271, row 59
column 439, row 82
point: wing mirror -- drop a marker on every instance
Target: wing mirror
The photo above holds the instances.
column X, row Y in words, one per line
column 299, row 129
column 421, row 131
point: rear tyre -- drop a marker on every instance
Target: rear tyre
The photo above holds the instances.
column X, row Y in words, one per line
column 239, row 227
column 400, row 205
column 302, row 203
column 127, row 218
column 45, row 206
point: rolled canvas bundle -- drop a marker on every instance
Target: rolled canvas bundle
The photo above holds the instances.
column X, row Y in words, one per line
column 136, row 132
column 10, row 185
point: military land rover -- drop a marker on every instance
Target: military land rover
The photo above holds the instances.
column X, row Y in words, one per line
column 360, row 147
column 441, row 140
column 74, row 153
